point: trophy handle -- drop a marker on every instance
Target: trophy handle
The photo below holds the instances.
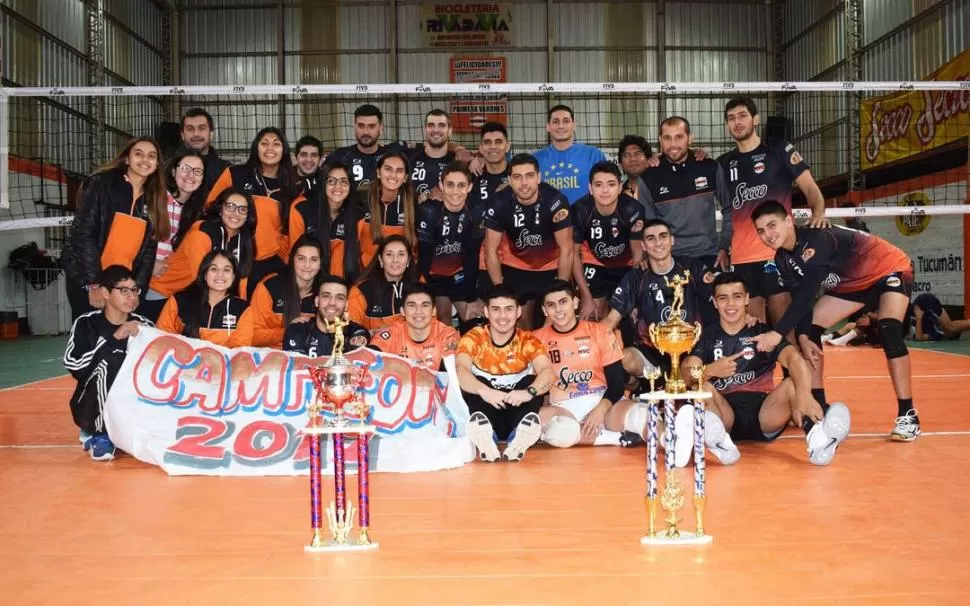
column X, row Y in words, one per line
column 697, row 334
column 652, row 330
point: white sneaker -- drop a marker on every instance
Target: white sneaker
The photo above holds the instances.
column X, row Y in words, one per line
column 683, row 435
column 907, row 428
column 482, row 435
column 824, row 438
column 526, row 434
column 718, row 440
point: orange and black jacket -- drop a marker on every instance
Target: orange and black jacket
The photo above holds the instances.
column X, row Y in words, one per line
column 183, row 264
column 267, row 308
column 270, row 239
column 96, row 240
column 228, row 323
column 304, row 219
column 374, row 303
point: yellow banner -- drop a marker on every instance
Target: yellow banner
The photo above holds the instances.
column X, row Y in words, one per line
column 904, row 124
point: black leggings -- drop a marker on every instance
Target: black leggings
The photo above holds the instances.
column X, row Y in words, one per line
column 504, row 420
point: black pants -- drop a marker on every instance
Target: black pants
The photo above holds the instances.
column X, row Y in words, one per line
column 504, row 420
column 77, row 297
column 90, row 395
column 260, row 270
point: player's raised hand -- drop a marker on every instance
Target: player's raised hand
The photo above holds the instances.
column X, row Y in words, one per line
column 723, row 368
column 767, row 341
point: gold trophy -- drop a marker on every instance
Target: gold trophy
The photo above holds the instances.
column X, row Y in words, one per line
column 675, row 337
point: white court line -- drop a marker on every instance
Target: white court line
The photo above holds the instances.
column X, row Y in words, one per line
column 15, row 387
column 880, row 435
column 37, row 446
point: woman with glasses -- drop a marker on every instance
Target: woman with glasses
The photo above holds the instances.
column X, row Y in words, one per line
column 229, row 225
column 376, row 300
column 390, row 206
column 120, row 221
column 183, row 179
column 269, row 175
column 333, row 218
column 288, row 295
column 209, row 309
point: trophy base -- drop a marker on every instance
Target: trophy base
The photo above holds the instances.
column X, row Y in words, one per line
column 652, row 396
column 685, row 538
column 333, row 546
column 349, row 428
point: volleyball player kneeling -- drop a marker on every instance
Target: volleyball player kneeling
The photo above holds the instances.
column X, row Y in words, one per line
column 586, row 403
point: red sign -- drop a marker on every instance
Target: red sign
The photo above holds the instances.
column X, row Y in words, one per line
column 470, row 112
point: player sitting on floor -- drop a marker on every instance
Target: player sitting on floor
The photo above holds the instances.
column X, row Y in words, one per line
column 746, row 404
column 586, row 403
column 95, row 351
column 857, row 270
column 316, row 337
column 503, row 373
column 420, row 338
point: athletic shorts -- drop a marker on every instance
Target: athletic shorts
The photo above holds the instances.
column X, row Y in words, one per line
column 452, row 287
column 760, row 278
column 527, row 284
column 581, row 406
column 747, row 406
column 656, row 359
column 900, row 281
column 603, row 280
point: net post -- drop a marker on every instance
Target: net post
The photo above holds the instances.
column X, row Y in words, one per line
column 4, row 150
column 966, row 241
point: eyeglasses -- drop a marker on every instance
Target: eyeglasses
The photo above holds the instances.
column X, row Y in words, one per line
column 332, row 182
column 126, row 291
column 235, row 208
column 185, row 168
column 633, row 155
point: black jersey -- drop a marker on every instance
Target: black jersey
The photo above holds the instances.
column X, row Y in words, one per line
column 224, row 316
column 764, row 173
column 486, row 187
column 363, row 167
column 426, row 171
column 754, row 369
column 530, row 229
column 605, row 239
column 448, row 242
column 647, row 294
column 307, row 338
column 275, row 285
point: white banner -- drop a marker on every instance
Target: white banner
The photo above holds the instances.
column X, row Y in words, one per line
column 933, row 243
column 194, row 408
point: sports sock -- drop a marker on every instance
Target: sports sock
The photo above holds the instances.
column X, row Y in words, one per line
column 819, row 395
column 905, row 405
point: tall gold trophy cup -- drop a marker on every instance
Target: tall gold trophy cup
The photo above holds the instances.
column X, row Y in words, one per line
column 674, row 337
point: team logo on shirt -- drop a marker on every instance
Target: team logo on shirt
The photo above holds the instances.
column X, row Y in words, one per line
column 807, row 254
column 358, row 341
column 384, row 334
column 831, row 281
column 893, row 282
column 759, row 167
column 581, row 378
column 700, row 182
column 747, row 353
column 228, row 321
column 708, row 277
column 560, row 215
column 796, row 158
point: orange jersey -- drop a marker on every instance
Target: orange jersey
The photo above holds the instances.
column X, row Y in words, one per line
column 501, row 366
column 394, row 338
column 579, row 357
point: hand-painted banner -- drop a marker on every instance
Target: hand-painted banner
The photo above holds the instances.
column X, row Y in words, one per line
column 908, row 123
column 194, row 408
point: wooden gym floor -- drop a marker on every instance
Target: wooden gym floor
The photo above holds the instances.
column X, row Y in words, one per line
column 886, row 523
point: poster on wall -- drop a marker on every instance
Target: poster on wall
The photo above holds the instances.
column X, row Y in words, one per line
column 469, row 113
column 897, row 126
column 934, row 243
column 466, row 24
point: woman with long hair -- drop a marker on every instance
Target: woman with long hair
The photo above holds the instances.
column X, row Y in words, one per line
column 230, row 225
column 391, row 204
column 120, row 221
column 333, row 218
column 288, row 295
column 377, row 298
column 209, row 309
column 183, row 179
column 268, row 174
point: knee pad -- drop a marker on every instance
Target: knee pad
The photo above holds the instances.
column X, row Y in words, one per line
column 893, row 344
column 636, row 418
column 562, row 432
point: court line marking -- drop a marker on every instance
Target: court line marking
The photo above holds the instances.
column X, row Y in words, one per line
column 16, row 387
column 886, row 376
